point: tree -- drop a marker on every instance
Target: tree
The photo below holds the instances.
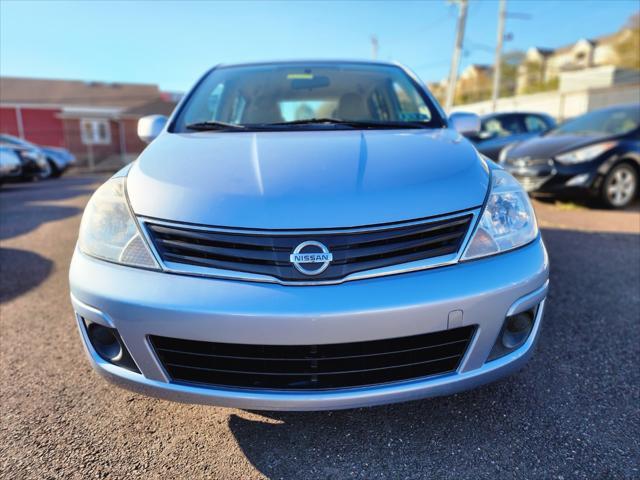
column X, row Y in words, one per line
column 509, row 69
column 628, row 46
column 536, row 82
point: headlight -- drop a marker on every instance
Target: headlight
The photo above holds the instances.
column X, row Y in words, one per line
column 507, row 222
column 585, row 154
column 35, row 156
column 108, row 230
column 503, row 153
column 32, row 155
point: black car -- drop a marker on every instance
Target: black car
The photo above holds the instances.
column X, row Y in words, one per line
column 597, row 153
column 34, row 161
column 497, row 130
column 58, row 159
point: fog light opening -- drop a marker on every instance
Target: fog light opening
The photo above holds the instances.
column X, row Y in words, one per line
column 578, row 180
column 105, row 342
column 515, row 332
column 108, row 344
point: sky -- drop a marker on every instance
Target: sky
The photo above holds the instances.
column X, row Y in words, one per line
column 173, row 43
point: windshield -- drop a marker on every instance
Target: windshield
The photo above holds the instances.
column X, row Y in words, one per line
column 264, row 95
column 604, row 122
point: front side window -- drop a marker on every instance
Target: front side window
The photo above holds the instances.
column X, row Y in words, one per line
column 501, row 126
column 214, row 99
column 412, row 107
column 535, row 123
column 260, row 96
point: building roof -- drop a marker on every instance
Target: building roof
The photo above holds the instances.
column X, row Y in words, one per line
column 481, row 67
column 73, row 92
column 545, row 52
column 160, row 106
column 568, row 48
column 602, row 40
column 475, row 68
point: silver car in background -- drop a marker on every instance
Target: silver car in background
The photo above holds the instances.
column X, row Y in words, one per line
column 34, row 162
column 58, row 159
column 10, row 164
column 306, row 236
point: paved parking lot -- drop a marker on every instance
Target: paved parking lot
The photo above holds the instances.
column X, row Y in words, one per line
column 572, row 412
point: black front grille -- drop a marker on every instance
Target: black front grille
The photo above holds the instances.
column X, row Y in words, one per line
column 309, row 367
column 268, row 253
column 528, row 162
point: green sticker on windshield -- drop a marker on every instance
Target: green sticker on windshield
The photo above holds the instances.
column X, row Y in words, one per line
column 300, row 76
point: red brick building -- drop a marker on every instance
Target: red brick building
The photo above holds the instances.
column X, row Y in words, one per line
column 94, row 120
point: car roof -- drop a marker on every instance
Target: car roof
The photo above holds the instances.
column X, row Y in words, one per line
column 502, row 114
column 311, row 62
column 622, row 106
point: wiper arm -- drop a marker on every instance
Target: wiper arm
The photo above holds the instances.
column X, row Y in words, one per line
column 215, row 125
column 351, row 123
column 312, row 121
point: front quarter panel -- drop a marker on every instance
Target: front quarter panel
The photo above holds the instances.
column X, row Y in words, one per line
column 627, row 149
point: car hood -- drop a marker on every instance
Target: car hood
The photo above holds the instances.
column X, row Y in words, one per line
column 550, row 145
column 306, row 179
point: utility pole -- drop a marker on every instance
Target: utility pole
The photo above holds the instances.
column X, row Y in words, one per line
column 457, row 51
column 374, row 47
column 502, row 14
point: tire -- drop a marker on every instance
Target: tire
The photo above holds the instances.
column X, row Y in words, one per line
column 620, row 186
column 55, row 171
column 44, row 174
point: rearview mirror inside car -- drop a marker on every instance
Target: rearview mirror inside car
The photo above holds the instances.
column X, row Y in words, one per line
column 310, row 83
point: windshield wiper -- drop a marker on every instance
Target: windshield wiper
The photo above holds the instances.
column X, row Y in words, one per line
column 349, row 123
column 214, row 125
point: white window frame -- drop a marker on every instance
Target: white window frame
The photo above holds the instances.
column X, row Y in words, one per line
column 90, row 131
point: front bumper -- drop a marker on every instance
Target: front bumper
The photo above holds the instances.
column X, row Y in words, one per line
column 554, row 178
column 139, row 303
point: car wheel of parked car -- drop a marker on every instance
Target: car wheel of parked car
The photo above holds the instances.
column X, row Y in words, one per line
column 620, row 186
column 44, row 172
column 55, row 171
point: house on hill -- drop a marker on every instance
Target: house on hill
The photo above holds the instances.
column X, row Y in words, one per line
column 543, row 66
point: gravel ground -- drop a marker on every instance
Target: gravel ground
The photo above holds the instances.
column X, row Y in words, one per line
column 572, row 412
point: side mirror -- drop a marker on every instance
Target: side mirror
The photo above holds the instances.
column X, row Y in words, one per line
column 150, row 127
column 465, row 123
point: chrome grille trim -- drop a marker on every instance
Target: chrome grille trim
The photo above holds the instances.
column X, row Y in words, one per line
column 203, row 271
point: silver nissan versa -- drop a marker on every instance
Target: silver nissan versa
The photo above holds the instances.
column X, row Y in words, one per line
column 306, row 236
